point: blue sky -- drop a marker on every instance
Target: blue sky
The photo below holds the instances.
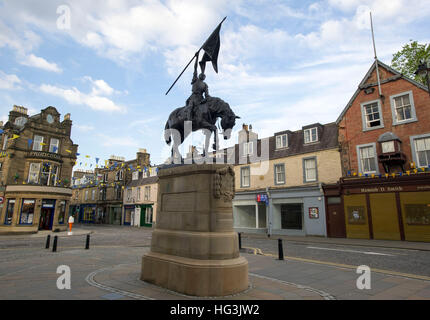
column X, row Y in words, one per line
column 282, row 64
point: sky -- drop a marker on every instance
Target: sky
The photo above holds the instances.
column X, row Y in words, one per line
column 282, row 64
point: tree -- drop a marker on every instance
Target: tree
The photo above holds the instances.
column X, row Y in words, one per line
column 408, row 59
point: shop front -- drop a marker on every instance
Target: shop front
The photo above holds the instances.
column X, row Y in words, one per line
column 286, row 211
column 391, row 208
column 129, row 215
column 87, row 213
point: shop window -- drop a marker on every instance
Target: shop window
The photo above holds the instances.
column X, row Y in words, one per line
column 245, row 216
column 262, row 215
column 311, row 135
column 281, row 141
column 367, row 158
column 9, row 211
column 417, row 214
column 356, row 215
column 33, row 173
column 279, row 173
column 371, row 115
column 27, row 211
column 310, row 170
column 53, row 145
column 292, row 216
column 402, row 107
column 62, row 213
column 245, row 177
column 37, row 143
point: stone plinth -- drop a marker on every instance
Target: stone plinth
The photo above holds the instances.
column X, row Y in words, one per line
column 194, row 249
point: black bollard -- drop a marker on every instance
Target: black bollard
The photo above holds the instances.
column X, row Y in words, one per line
column 54, row 246
column 48, row 241
column 240, row 240
column 87, row 244
column 280, row 250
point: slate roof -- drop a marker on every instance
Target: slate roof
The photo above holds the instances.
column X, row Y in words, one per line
column 142, row 181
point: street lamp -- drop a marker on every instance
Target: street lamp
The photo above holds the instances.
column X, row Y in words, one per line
column 424, row 70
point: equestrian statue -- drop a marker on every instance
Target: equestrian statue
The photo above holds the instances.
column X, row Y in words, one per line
column 200, row 109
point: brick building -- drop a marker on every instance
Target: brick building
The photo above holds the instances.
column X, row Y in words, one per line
column 36, row 169
column 385, row 141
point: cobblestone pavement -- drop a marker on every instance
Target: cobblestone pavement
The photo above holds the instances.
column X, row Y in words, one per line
column 110, row 269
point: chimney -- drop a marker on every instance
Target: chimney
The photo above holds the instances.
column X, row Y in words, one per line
column 67, row 116
column 20, row 109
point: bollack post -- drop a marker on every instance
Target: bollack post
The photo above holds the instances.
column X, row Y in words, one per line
column 48, row 241
column 280, row 250
column 87, row 244
column 240, row 240
column 54, row 246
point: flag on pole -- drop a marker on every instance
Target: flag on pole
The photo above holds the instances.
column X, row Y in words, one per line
column 211, row 49
column 15, row 136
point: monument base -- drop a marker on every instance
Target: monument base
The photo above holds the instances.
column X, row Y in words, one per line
column 194, row 249
column 195, row 277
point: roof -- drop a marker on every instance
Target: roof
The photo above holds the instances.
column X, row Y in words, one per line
column 361, row 86
column 142, row 181
column 388, row 136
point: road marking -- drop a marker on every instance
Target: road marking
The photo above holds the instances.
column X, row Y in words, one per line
column 347, row 266
column 353, row 251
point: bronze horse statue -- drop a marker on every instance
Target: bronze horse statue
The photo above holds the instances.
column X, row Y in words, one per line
column 205, row 117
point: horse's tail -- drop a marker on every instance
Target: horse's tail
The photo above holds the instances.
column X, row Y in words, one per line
column 167, row 135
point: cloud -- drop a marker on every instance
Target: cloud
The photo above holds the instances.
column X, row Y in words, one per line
column 9, row 81
column 38, row 62
column 92, row 100
column 117, row 141
column 83, row 127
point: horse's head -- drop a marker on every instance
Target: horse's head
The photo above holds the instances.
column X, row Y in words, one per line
column 227, row 124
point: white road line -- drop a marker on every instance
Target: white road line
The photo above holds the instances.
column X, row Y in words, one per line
column 354, row 251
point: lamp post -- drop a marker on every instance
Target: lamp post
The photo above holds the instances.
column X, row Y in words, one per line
column 424, row 70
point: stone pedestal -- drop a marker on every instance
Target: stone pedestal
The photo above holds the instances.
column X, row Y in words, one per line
column 194, row 249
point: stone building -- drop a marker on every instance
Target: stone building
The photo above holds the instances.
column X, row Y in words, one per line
column 279, row 180
column 36, row 165
column 140, row 198
column 385, row 141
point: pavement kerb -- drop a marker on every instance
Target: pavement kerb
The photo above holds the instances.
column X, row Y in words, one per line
column 61, row 234
column 257, row 251
column 406, row 245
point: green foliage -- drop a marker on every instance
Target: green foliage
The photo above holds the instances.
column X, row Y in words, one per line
column 408, row 59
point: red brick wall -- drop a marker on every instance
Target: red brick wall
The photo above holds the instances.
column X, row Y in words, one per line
column 351, row 131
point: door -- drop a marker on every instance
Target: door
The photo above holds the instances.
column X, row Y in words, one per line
column 335, row 218
column 46, row 219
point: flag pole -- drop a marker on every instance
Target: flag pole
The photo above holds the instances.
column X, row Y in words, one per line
column 190, row 62
column 376, row 59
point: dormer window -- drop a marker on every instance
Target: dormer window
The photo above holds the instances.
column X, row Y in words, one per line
column 281, row 141
column 311, row 135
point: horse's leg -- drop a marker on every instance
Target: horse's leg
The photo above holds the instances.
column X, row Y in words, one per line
column 206, row 149
column 215, row 145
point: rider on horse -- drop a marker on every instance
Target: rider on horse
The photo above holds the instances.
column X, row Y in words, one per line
column 199, row 87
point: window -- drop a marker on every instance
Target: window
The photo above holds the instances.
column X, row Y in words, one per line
column 9, row 211
column 103, row 194
column 62, row 213
column 135, row 175
column 245, row 177
column 422, row 147
column 148, row 215
column 372, row 116
column 53, row 146
column 291, row 216
column 310, row 169
column 279, row 173
column 37, row 143
column 48, row 175
column 86, row 195
column 402, row 107
column 129, row 194
column 138, row 193
column 5, row 140
column 27, row 211
column 281, row 141
column 33, row 173
column 387, row 146
column 311, row 135
column 247, row 148
column 147, row 193
column 93, row 194
column 118, row 192
column 367, row 159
